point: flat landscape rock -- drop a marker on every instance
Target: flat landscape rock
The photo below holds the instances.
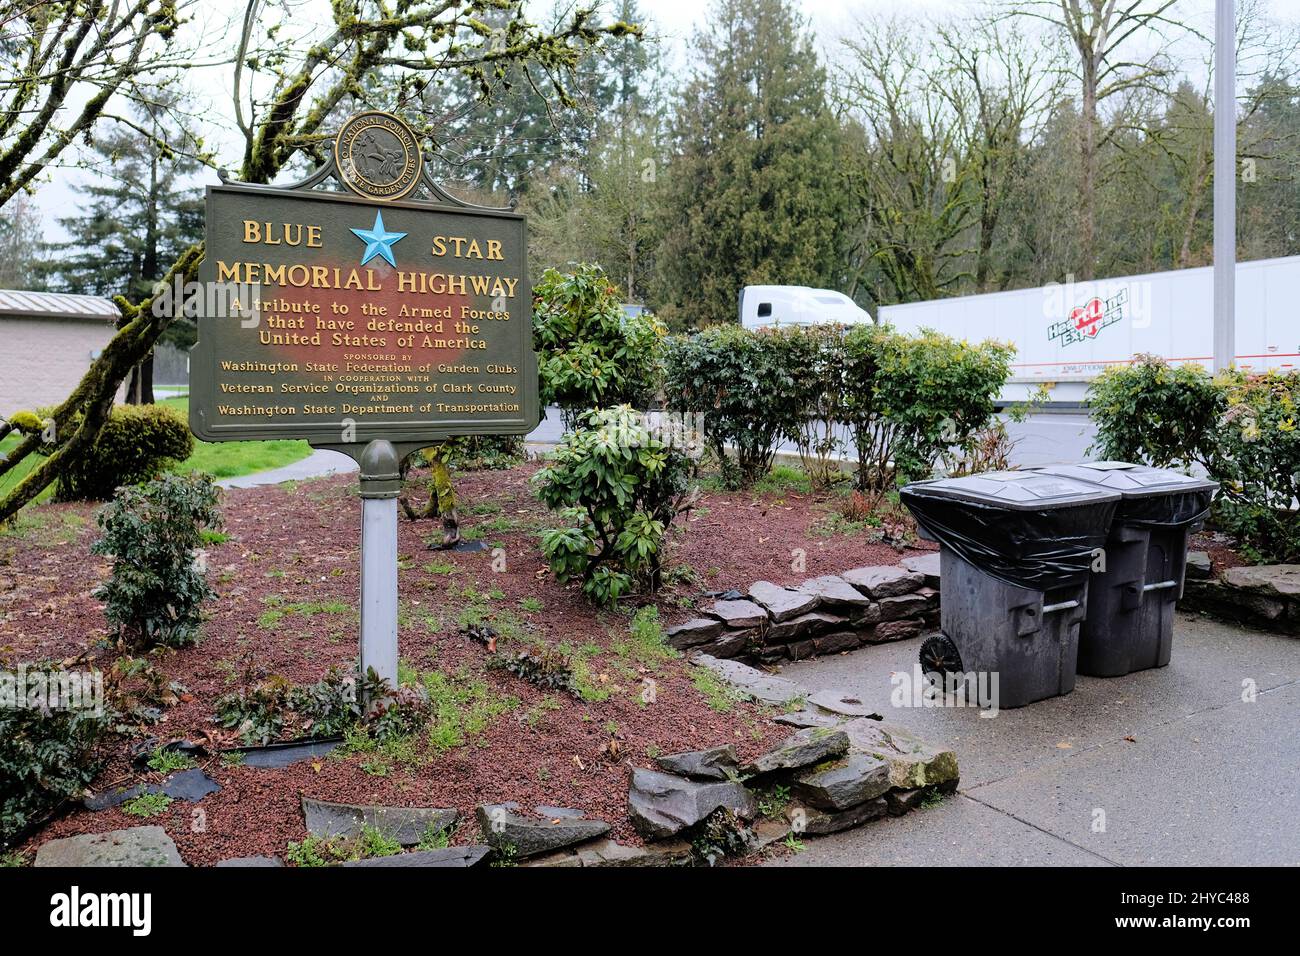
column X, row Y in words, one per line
column 804, row 625
column 808, row 718
column 927, row 564
column 407, row 825
column 1281, row 580
column 730, row 643
column 887, row 631
column 834, row 590
column 609, row 853
column 839, row 641
column 852, row 780
column 452, row 856
column 913, row 763
column 901, row 801
column 134, row 846
column 662, row 805
column 1199, row 565
column 697, row 630
column 901, row 606
column 817, row 822
column 782, row 603
column 740, row 613
column 751, row 681
column 840, row 702
column 884, row 580
column 520, row 836
column 716, row 763
column 803, row 748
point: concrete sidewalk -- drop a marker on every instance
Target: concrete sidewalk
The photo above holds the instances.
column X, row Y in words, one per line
column 318, row 464
column 1207, row 778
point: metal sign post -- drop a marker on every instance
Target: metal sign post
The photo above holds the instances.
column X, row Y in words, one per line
column 381, row 483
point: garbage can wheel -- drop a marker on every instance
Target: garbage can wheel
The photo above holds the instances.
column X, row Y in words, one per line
column 939, row 656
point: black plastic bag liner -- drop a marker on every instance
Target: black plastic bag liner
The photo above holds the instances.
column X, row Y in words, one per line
column 1152, row 497
column 1030, row 530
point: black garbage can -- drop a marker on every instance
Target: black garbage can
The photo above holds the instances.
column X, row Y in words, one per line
column 1015, row 554
column 1130, row 619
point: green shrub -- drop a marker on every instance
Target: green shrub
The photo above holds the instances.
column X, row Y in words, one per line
column 814, row 360
column 743, row 384
column 137, row 443
column 1257, row 463
column 910, row 398
column 589, row 353
column 156, row 589
column 1244, row 430
column 46, row 757
column 257, row 712
column 1156, row 413
column 619, row 486
column 329, row 707
column 905, row 399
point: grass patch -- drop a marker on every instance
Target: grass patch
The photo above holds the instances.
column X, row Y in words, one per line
column 320, row 851
column 272, row 616
column 462, row 709
column 235, row 458
column 219, row 459
column 646, row 639
column 781, row 480
column 47, row 525
column 169, row 761
column 717, row 694
column 11, row 480
column 147, row 805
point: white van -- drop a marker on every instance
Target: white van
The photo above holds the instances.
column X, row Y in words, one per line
column 768, row 305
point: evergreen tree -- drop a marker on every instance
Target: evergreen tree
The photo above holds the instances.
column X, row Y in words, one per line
column 505, row 136
column 754, row 189
column 607, row 215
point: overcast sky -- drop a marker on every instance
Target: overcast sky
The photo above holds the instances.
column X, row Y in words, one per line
column 673, row 20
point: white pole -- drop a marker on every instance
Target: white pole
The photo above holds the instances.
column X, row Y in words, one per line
column 379, row 587
column 1225, row 184
column 380, row 485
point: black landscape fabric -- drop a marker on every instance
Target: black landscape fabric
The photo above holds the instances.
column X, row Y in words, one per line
column 1045, row 549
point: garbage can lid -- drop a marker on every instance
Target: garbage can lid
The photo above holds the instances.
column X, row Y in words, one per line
column 1131, row 481
column 1015, row 490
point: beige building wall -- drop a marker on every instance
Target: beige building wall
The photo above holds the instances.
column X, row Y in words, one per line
column 42, row 360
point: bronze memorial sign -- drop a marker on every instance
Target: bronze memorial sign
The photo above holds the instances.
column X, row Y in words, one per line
column 367, row 316
column 368, row 321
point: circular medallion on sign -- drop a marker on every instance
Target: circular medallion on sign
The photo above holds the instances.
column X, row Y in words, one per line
column 378, row 156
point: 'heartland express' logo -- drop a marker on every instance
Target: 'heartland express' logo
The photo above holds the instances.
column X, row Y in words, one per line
column 1085, row 321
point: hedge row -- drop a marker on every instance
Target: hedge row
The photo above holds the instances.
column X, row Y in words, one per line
column 1242, row 429
column 900, row 401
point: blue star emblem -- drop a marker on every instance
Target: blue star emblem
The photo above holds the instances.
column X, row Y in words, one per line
column 378, row 240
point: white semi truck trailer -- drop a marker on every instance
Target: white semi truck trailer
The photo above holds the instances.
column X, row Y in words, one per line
column 1065, row 335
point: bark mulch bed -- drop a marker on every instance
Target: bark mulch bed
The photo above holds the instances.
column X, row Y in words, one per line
column 287, row 579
